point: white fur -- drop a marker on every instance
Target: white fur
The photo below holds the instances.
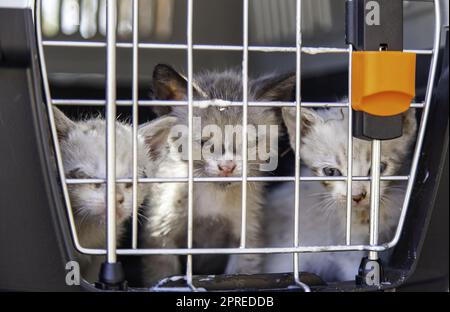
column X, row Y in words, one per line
column 167, row 212
column 322, row 208
column 83, row 148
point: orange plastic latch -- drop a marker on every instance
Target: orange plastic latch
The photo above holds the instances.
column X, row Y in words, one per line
column 383, row 83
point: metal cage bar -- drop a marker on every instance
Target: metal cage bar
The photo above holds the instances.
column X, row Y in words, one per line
column 348, row 225
column 190, row 56
column 110, row 103
column 84, row 102
column 236, row 179
column 135, row 120
column 243, row 243
column 174, row 46
column 375, row 197
column 111, row 241
column 298, row 100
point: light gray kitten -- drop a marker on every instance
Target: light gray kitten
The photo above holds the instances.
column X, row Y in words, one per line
column 217, row 206
column 323, row 151
column 83, row 148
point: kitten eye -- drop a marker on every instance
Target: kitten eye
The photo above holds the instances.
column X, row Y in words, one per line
column 383, row 167
column 77, row 173
column 332, row 172
column 128, row 185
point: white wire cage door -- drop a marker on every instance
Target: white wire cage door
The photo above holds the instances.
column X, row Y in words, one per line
column 110, row 103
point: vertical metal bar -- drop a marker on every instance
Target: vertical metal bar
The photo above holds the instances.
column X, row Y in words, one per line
column 375, row 196
column 297, row 139
column 135, row 98
column 298, row 99
column 111, row 131
column 190, row 143
column 348, row 232
column 244, row 125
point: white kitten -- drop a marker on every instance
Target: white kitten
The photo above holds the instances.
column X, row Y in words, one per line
column 323, row 205
column 83, row 148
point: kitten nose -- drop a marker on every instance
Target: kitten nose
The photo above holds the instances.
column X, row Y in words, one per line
column 120, row 198
column 359, row 197
column 226, row 168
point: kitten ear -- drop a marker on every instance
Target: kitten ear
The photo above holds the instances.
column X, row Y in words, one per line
column 63, row 124
column 170, row 85
column 167, row 84
column 309, row 118
column 156, row 134
column 279, row 88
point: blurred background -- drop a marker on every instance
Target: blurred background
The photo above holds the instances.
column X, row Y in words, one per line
column 79, row 72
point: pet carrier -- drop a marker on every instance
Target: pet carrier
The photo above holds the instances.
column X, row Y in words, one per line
column 39, row 237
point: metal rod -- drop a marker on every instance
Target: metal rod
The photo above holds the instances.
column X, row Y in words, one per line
column 423, row 123
column 244, row 126
column 135, row 97
column 236, row 179
column 209, row 47
column 190, row 142
column 111, row 131
column 348, row 225
column 238, row 251
column 298, row 100
column 83, row 102
column 297, row 138
column 375, row 196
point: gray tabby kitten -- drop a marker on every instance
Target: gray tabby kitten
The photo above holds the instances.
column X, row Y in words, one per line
column 323, row 151
column 217, row 206
column 83, row 148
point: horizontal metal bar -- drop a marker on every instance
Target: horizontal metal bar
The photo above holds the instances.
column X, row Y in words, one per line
column 73, row 44
column 90, row 102
column 227, row 251
column 234, row 179
column 99, row 44
column 421, row 52
column 207, row 47
column 82, row 102
column 17, row 4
